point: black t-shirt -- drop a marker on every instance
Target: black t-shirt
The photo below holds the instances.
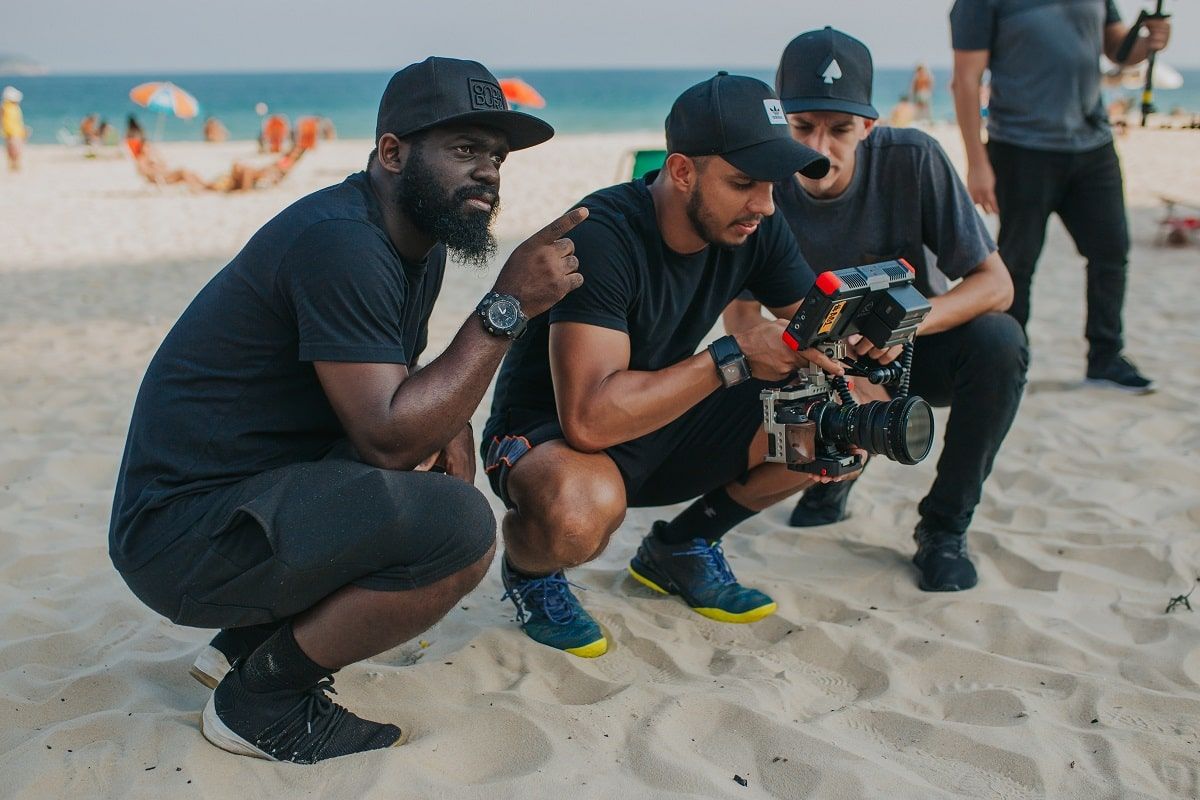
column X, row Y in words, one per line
column 904, row 201
column 232, row 391
column 664, row 301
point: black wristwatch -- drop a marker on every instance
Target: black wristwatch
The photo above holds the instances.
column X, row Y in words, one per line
column 501, row 315
column 730, row 360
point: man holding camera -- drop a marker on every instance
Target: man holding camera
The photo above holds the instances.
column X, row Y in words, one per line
column 606, row 404
column 289, row 476
column 892, row 193
column 1050, row 148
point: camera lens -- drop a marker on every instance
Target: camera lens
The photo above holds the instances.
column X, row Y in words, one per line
column 901, row 429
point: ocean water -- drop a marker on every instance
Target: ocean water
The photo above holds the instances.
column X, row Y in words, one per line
column 578, row 101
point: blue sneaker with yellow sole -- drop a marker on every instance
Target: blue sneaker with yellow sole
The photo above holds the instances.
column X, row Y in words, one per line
column 698, row 572
column 550, row 614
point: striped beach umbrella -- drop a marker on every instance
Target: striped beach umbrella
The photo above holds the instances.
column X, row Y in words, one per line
column 519, row 93
column 165, row 98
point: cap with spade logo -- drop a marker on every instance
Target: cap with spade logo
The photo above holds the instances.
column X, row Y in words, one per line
column 826, row 70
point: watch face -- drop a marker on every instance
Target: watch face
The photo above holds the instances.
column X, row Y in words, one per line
column 503, row 315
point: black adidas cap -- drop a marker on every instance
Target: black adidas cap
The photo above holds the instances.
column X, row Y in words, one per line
column 740, row 119
column 826, row 70
column 439, row 91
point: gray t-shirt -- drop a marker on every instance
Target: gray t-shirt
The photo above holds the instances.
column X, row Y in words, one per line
column 904, row 201
column 1045, row 65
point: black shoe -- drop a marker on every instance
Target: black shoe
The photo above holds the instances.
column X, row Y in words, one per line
column 302, row 727
column 226, row 647
column 942, row 559
column 822, row 504
column 1119, row 373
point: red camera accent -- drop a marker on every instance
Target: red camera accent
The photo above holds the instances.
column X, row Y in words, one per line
column 790, row 341
column 829, row 283
column 908, row 266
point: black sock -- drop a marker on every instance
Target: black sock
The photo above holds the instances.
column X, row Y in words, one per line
column 279, row 664
column 710, row 518
column 241, row 642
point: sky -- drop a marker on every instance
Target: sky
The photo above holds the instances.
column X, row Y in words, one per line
column 113, row 36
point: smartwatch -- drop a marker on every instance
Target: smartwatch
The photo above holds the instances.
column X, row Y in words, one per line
column 730, row 360
column 502, row 315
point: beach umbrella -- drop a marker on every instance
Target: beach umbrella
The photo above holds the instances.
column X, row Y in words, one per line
column 519, row 93
column 165, row 98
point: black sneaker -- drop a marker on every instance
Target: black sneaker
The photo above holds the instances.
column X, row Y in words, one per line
column 226, row 647
column 822, row 504
column 942, row 559
column 1119, row 373
column 301, row 727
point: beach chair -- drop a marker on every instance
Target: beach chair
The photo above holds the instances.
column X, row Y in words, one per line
column 636, row 163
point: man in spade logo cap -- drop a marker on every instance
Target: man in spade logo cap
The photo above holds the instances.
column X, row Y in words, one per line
column 289, row 476
column 606, row 404
column 892, row 193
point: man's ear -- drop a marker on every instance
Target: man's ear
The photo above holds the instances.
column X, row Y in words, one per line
column 868, row 124
column 392, row 153
column 681, row 170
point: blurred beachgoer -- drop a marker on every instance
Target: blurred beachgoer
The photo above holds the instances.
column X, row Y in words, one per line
column 307, row 129
column 135, row 137
column 214, row 131
column 1050, row 149
column 151, row 166
column 921, row 91
column 903, row 113
column 275, row 131
column 242, row 177
column 89, row 130
column 12, row 125
column 328, row 132
column 107, row 133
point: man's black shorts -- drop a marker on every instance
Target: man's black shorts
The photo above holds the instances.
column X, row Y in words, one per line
column 705, row 448
column 275, row 544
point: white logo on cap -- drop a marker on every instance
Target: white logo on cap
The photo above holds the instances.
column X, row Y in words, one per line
column 774, row 112
column 832, row 72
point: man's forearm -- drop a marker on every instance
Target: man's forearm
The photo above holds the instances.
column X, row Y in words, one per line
column 966, row 108
column 433, row 405
column 632, row 403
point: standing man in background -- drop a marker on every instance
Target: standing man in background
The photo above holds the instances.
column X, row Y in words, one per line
column 1050, row 149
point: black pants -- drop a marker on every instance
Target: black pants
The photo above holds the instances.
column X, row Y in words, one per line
column 1086, row 192
column 276, row 544
column 978, row 369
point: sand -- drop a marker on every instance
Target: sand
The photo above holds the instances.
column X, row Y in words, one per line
column 1059, row 676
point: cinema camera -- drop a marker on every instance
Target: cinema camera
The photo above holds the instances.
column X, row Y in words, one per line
column 810, row 432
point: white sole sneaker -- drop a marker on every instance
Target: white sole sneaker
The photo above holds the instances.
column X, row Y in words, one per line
column 1101, row 383
column 221, row 736
column 209, row 667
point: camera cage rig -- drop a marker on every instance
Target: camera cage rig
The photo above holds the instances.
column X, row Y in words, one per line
column 879, row 302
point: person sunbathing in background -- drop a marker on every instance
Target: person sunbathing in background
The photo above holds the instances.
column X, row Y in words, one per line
column 242, row 177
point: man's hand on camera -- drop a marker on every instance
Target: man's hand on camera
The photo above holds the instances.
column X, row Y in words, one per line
column 544, row 267
column 862, row 346
column 772, row 360
column 863, row 455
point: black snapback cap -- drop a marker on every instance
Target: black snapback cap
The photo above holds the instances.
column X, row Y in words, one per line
column 438, row 91
column 740, row 119
column 826, row 70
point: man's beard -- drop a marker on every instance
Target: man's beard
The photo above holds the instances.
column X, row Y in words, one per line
column 466, row 233
column 706, row 225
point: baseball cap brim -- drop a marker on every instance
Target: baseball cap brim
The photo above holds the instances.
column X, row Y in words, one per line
column 829, row 104
column 777, row 160
column 522, row 130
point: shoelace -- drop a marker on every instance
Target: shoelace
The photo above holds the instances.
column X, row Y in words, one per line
column 307, row 727
column 715, row 558
column 552, row 593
